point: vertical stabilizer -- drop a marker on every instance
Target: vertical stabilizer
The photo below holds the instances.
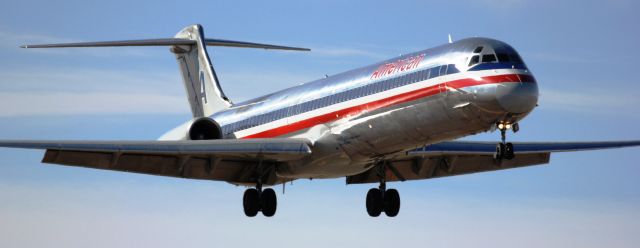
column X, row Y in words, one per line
column 200, row 81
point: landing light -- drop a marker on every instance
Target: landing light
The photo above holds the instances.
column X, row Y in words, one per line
column 505, row 126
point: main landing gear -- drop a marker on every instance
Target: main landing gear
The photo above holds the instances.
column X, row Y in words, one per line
column 504, row 150
column 382, row 199
column 256, row 199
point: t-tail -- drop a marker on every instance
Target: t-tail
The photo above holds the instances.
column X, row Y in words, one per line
column 189, row 46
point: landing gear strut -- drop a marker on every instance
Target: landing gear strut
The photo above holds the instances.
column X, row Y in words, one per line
column 382, row 199
column 504, row 150
column 256, row 199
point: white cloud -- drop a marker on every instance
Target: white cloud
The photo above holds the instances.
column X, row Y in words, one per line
column 502, row 4
column 348, row 52
column 97, row 80
column 138, row 209
column 250, row 83
column 70, row 91
column 556, row 57
column 12, row 40
column 58, row 91
column 587, row 101
column 17, row 38
column 65, row 103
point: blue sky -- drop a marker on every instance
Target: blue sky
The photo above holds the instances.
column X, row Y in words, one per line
column 583, row 53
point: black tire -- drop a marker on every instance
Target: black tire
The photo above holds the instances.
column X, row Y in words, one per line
column 391, row 202
column 374, row 202
column 251, row 202
column 508, row 151
column 499, row 155
column 268, row 202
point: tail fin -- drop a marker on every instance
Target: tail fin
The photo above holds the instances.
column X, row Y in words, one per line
column 189, row 46
column 200, row 80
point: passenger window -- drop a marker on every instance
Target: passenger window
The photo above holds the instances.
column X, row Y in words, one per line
column 503, row 57
column 474, row 60
column 452, row 69
column 435, row 72
column 488, row 58
column 478, row 49
column 443, row 70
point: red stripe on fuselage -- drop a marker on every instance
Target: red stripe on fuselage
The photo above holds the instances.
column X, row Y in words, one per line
column 389, row 101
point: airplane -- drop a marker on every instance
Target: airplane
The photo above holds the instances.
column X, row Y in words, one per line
column 396, row 120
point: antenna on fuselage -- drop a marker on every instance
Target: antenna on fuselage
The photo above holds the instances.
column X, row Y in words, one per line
column 450, row 40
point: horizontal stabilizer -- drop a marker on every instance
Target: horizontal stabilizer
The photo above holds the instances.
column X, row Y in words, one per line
column 167, row 42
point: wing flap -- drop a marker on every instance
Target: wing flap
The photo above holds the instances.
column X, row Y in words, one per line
column 193, row 167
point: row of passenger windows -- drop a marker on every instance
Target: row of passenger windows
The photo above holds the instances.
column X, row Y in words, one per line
column 344, row 96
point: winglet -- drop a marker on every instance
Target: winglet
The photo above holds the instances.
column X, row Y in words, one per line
column 450, row 40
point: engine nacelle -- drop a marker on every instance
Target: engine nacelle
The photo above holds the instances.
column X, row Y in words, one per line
column 205, row 128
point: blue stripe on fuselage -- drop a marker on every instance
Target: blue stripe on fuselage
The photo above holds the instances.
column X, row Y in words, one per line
column 494, row 66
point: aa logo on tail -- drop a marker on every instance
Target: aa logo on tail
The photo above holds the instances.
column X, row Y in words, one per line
column 203, row 92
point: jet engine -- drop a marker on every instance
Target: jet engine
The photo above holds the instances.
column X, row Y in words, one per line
column 205, row 128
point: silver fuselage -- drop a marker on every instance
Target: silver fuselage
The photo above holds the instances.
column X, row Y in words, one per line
column 379, row 111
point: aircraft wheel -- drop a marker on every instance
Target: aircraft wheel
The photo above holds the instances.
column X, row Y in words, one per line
column 508, row 151
column 251, row 202
column 391, row 202
column 374, row 202
column 500, row 151
column 268, row 202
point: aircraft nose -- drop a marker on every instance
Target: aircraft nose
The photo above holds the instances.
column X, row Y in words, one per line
column 517, row 98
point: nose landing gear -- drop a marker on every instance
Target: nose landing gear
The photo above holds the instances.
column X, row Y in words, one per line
column 504, row 150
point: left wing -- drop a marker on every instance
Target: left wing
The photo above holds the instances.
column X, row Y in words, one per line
column 464, row 157
column 237, row 161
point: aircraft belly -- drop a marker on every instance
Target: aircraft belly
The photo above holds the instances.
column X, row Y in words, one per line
column 410, row 125
column 349, row 146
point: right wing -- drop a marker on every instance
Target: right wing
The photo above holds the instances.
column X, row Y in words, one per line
column 236, row 161
column 463, row 157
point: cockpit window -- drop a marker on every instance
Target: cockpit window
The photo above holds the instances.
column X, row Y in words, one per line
column 503, row 57
column 488, row 58
column 515, row 58
column 474, row 60
column 478, row 49
column 510, row 57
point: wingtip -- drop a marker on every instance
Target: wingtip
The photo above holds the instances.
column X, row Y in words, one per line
column 24, row 46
